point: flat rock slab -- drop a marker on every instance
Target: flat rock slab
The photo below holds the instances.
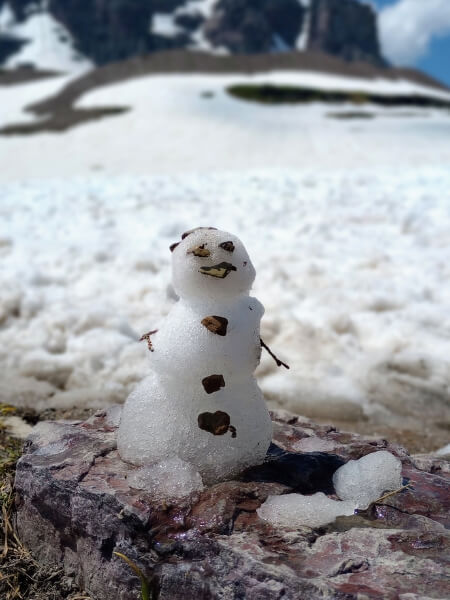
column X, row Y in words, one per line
column 75, row 508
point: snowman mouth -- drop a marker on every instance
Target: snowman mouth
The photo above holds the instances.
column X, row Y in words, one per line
column 219, row 271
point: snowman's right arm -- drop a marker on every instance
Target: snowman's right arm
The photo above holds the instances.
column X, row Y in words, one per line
column 147, row 337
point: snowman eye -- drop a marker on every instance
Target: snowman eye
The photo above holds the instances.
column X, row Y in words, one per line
column 200, row 251
column 228, row 246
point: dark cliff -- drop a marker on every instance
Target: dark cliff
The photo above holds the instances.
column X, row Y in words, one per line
column 344, row 28
column 111, row 30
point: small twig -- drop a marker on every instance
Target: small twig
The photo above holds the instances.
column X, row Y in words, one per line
column 404, row 487
column 279, row 362
column 147, row 336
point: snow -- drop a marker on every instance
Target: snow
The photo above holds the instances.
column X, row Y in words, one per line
column 303, row 37
column 164, row 24
column 15, row 426
column 358, row 483
column 204, row 7
column 295, row 510
column 350, row 270
column 15, row 98
column 171, row 478
column 49, row 44
column 363, row 481
column 6, row 17
column 445, row 451
column 171, row 128
column 223, row 428
column 347, row 223
column 201, row 249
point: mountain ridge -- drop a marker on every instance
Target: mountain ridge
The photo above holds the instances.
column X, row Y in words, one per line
column 101, row 32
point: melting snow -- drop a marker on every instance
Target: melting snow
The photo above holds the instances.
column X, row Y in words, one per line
column 172, row 478
column 363, row 481
column 295, row 510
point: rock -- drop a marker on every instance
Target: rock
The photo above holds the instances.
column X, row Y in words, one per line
column 248, row 26
column 75, row 508
column 9, row 45
column 106, row 32
column 346, row 29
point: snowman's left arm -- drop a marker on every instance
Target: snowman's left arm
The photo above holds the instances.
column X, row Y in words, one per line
column 279, row 362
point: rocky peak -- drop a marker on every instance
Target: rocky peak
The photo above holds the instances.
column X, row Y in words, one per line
column 251, row 26
column 105, row 31
column 344, row 28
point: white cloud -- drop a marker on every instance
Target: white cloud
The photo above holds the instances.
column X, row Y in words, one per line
column 407, row 27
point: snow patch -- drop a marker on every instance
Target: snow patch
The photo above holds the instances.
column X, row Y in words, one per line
column 204, row 7
column 7, row 18
column 325, row 249
column 164, row 24
column 171, row 478
column 445, row 451
column 16, row 426
column 49, row 44
column 303, row 37
column 295, row 510
column 363, row 481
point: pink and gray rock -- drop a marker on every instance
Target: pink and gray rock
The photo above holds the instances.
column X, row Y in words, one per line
column 75, row 508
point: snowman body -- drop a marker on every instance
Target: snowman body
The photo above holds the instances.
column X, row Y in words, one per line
column 201, row 402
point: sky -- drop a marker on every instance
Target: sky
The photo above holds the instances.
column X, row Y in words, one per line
column 416, row 33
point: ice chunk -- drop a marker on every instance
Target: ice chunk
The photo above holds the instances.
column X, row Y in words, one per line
column 171, row 478
column 296, row 510
column 365, row 480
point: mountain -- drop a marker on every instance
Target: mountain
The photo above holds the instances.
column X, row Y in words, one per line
column 61, row 34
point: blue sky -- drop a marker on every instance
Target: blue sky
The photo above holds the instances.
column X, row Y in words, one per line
column 417, row 33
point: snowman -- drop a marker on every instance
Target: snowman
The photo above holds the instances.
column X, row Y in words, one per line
column 201, row 403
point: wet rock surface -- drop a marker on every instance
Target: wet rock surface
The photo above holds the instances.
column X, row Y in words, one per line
column 75, row 509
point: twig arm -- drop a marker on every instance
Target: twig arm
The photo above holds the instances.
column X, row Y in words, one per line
column 279, row 362
column 147, row 337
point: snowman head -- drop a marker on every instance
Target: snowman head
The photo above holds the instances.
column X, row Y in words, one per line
column 211, row 264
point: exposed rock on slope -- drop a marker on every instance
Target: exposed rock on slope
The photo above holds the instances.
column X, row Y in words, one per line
column 109, row 31
column 243, row 26
column 346, row 29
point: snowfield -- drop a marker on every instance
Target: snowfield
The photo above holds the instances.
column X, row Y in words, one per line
column 185, row 123
column 346, row 221
column 352, row 268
